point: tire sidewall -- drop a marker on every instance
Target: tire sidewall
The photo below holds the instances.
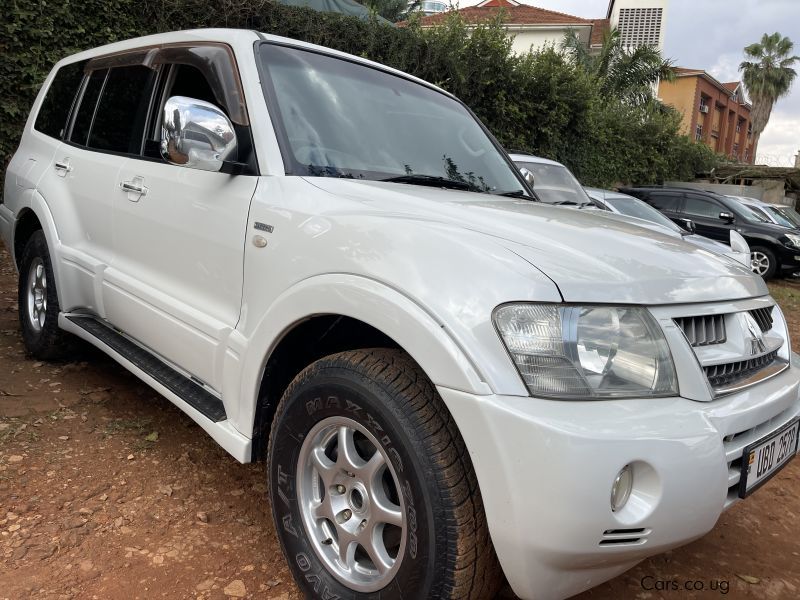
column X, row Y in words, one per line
column 337, row 392
column 37, row 342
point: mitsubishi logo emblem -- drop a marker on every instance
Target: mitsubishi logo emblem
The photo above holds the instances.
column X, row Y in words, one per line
column 756, row 338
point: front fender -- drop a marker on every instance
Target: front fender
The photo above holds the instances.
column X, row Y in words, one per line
column 414, row 329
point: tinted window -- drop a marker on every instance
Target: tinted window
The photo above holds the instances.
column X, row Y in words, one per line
column 85, row 112
column 702, row 207
column 664, row 201
column 121, row 114
column 53, row 113
column 190, row 81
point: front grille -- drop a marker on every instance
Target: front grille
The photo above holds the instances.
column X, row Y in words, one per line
column 763, row 317
column 703, row 331
column 728, row 373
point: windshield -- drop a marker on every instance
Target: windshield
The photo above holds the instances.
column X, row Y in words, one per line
column 781, row 218
column 338, row 118
column 789, row 213
column 753, row 214
column 633, row 207
column 554, row 184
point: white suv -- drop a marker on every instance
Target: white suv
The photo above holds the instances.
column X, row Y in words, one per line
column 333, row 266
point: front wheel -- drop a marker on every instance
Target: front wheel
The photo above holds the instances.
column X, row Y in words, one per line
column 763, row 262
column 371, row 486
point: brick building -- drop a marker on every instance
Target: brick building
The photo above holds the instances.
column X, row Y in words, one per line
column 714, row 113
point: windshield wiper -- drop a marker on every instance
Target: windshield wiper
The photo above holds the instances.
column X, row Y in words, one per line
column 515, row 194
column 432, row 181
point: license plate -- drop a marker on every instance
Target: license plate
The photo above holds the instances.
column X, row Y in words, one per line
column 762, row 459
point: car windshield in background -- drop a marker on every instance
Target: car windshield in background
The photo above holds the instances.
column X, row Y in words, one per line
column 339, row 118
column 554, row 184
column 789, row 213
column 779, row 216
column 752, row 214
column 633, row 207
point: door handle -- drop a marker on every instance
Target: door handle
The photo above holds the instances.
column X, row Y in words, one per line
column 127, row 186
column 134, row 188
column 62, row 167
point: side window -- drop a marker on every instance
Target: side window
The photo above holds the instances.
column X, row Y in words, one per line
column 85, row 111
column 702, row 207
column 58, row 100
column 668, row 202
column 121, row 114
column 190, row 81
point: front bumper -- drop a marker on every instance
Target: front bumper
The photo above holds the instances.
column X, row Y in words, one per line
column 545, row 470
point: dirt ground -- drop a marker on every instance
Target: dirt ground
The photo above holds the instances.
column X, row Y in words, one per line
column 108, row 491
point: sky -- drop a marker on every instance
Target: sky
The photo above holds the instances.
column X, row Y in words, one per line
column 710, row 35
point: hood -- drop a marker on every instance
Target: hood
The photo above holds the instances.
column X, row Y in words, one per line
column 589, row 257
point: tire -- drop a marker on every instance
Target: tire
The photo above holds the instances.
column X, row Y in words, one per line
column 763, row 262
column 439, row 546
column 38, row 302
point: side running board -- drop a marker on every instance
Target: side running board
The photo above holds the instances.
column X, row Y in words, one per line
column 190, row 392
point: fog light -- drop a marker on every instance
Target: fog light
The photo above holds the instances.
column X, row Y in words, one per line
column 621, row 489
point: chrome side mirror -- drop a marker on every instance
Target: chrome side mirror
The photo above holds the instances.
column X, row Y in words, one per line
column 726, row 216
column 196, row 134
column 527, row 175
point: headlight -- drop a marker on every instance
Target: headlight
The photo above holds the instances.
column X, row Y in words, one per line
column 587, row 352
column 793, row 239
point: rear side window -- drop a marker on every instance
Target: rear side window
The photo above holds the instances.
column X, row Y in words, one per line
column 702, row 207
column 57, row 103
column 664, row 201
column 85, row 111
column 121, row 114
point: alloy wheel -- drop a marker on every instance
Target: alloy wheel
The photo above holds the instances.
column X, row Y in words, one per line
column 351, row 503
column 37, row 294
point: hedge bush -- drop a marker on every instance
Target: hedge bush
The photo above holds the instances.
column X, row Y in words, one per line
column 537, row 102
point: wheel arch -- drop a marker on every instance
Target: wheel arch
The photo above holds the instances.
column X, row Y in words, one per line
column 362, row 313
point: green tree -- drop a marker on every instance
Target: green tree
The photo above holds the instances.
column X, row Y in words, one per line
column 767, row 75
column 391, row 10
column 625, row 73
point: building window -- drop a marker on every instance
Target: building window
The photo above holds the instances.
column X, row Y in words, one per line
column 749, row 129
column 640, row 26
column 703, row 104
column 736, row 150
column 698, row 133
column 746, row 155
column 738, row 126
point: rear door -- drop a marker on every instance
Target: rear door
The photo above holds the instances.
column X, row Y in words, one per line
column 179, row 232
column 79, row 185
column 705, row 212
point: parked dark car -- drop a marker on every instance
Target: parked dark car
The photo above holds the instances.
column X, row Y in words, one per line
column 773, row 248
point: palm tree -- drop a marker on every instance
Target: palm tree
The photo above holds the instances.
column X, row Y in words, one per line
column 768, row 75
column 626, row 73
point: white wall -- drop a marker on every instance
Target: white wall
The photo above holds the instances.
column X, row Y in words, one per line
column 620, row 4
column 523, row 40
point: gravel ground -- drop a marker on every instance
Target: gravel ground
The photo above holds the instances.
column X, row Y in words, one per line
column 108, row 491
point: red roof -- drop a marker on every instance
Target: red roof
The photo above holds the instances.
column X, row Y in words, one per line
column 732, row 85
column 520, row 14
column 599, row 29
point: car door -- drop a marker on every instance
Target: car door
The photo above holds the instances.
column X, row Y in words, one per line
column 705, row 212
column 179, row 236
column 78, row 187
